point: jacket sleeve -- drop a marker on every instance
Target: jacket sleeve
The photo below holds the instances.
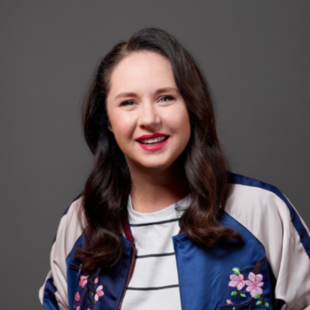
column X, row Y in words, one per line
column 293, row 263
column 273, row 220
column 53, row 293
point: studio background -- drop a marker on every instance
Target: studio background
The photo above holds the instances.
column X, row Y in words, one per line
column 255, row 55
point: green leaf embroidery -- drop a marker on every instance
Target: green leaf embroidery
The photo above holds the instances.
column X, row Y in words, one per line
column 234, row 293
column 236, row 270
column 267, row 304
column 257, row 296
column 259, row 302
column 92, row 293
column 234, row 308
column 94, row 301
column 86, row 277
column 243, row 295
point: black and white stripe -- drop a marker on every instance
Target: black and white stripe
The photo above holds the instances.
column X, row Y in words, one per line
column 154, row 223
column 154, row 283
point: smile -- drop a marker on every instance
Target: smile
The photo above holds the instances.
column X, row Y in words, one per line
column 153, row 144
column 153, row 140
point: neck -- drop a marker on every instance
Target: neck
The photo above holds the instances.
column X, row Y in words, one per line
column 155, row 190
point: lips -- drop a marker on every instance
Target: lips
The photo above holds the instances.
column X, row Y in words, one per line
column 152, row 139
column 153, row 142
column 154, row 135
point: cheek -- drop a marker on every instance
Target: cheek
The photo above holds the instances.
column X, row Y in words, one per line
column 122, row 125
column 178, row 121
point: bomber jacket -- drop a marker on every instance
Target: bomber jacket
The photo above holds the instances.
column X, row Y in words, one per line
column 269, row 271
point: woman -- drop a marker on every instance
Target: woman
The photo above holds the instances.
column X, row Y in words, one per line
column 161, row 224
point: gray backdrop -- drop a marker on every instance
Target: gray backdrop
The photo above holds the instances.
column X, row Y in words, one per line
column 255, row 55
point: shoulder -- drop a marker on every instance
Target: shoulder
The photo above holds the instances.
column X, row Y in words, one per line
column 251, row 200
column 266, row 212
column 54, row 290
column 70, row 227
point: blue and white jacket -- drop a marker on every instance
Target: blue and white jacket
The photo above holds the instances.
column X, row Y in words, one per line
column 273, row 264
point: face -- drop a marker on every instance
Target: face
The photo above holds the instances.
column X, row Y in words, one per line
column 147, row 114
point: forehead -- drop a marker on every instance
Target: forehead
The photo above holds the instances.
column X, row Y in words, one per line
column 141, row 71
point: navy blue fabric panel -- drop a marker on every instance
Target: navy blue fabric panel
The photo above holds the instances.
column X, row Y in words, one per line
column 73, row 272
column 204, row 274
column 113, row 281
column 49, row 299
column 303, row 234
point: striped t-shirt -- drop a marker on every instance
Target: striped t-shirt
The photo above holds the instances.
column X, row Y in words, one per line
column 154, row 283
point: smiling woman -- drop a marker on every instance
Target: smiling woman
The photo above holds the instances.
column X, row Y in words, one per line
column 147, row 114
column 161, row 224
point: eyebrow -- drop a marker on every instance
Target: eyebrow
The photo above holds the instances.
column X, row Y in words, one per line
column 158, row 91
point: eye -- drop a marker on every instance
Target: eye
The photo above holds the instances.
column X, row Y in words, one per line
column 127, row 102
column 166, row 98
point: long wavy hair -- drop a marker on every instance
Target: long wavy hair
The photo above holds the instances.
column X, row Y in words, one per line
column 108, row 185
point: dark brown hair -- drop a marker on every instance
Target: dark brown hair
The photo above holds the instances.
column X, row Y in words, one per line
column 107, row 187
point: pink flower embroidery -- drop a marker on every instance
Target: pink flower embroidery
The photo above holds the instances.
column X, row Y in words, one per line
column 95, row 282
column 99, row 292
column 78, row 308
column 229, row 302
column 237, row 281
column 77, row 297
column 83, row 281
column 254, row 283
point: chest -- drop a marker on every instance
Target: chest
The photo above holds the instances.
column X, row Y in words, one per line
column 219, row 278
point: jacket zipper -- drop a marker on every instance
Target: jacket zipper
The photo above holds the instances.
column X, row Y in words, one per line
column 133, row 258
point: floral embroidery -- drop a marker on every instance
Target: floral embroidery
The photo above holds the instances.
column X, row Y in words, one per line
column 91, row 292
column 83, row 281
column 237, row 281
column 77, row 297
column 99, row 292
column 254, row 283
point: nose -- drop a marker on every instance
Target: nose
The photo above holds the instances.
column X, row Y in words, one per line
column 148, row 116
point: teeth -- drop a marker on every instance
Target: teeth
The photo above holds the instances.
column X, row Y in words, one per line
column 154, row 140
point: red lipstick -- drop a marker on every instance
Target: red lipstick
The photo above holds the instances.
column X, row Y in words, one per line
column 152, row 147
column 154, row 135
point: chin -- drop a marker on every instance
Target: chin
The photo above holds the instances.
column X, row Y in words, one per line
column 151, row 165
column 155, row 166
